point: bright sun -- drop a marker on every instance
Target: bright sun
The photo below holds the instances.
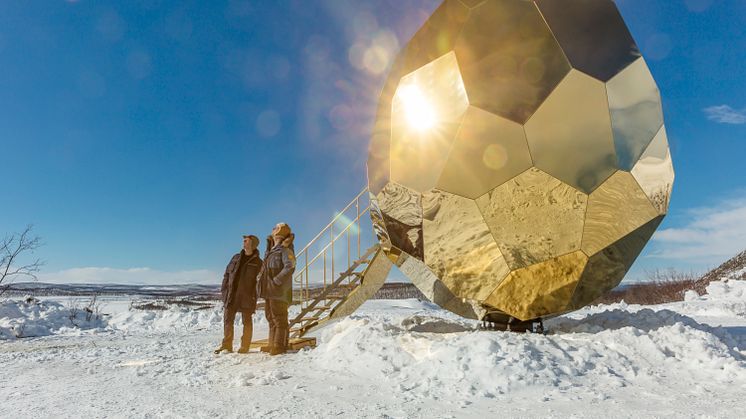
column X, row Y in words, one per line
column 417, row 109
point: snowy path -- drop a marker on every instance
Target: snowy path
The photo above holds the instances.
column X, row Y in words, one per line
column 394, row 359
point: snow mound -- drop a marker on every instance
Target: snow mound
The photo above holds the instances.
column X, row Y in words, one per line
column 31, row 318
column 174, row 318
column 429, row 357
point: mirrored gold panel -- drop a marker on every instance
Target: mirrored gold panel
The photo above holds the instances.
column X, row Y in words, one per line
column 534, row 217
column 437, row 36
column 606, row 269
column 615, row 209
column 509, row 58
column 472, row 3
column 379, row 149
column 636, row 113
column 541, row 289
column 592, row 34
column 570, row 135
column 427, row 282
column 426, row 112
column 459, row 248
column 401, row 210
column 373, row 278
column 379, row 226
column 488, row 151
column 654, row 172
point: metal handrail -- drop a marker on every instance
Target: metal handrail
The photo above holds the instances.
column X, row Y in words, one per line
column 328, row 232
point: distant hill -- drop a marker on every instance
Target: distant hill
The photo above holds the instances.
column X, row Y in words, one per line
column 733, row 268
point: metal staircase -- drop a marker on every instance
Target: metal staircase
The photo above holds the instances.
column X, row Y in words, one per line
column 323, row 290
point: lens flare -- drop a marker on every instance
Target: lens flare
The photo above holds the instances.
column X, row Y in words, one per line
column 417, row 109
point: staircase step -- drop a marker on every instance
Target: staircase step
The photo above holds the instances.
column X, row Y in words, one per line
column 309, row 319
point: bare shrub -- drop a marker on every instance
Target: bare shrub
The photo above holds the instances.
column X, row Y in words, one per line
column 11, row 250
column 74, row 309
column 93, row 309
column 662, row 286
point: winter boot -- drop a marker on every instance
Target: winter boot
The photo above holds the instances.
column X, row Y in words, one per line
column 225, row 348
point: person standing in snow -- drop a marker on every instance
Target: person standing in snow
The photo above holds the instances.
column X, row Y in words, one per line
column 276, row 285
column 239, row 293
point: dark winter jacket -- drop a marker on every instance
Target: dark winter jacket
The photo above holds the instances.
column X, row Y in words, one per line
column 276, row 277
column 239, row 281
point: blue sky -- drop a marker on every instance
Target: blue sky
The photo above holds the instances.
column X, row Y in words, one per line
column 142, row 138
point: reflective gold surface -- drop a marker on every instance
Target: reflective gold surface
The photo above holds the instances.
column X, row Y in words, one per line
column 401, row 209
column 636, row 114
column 509, row 59
column 437, row 36
column 373, row 278
column 606, row 269
column 512, row 139
column 654, row 172
column 570, row 135
column 488, row 151
column 541, row 289
column 431, row 286
column 534, row 217
column 592, row 35
column 616, row 208
column 459, row 248
column 426, row 112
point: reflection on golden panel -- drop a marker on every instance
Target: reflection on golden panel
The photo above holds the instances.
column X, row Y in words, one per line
column 472, row 3
column 616, row 208
column 379, row 226
column 509, row 58
column 570, row 135
column 606, row 269
column 459, row 248
column 539, row 290
column 424, row 279
column 426, row 112
column 437, row 36
column 534, row 217
column 373, row 278
column 636, row 113
column 402, row 215
column 488, row 151
column 592, row 34
column 379, row 149
column 654, row 172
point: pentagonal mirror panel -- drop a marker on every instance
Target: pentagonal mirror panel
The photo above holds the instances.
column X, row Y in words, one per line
column 488, row 151
column 509, row 59
column 654, row 172
column 426, row 112
column 570, row 135
column 541, row 289
column 534, row 217
column 427, row 282
column 401, row 210
column 615, row 209
column 606, row 269
column 592, row 34
column 437, row 36
column 459, row 247
column 636, row 113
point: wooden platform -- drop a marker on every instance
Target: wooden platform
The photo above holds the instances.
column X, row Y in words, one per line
column 293, row 345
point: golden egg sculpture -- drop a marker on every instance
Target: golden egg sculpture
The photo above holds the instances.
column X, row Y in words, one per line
column 518, row 163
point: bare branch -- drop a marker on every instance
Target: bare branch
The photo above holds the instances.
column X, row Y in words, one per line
column 12, row 248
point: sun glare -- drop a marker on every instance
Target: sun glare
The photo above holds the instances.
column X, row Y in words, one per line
column 417, row 109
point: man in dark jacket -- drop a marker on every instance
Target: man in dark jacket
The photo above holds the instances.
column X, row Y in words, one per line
column 239, row 293
column 276, row 285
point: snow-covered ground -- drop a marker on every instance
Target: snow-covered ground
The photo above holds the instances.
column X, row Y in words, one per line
column 392, row 358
